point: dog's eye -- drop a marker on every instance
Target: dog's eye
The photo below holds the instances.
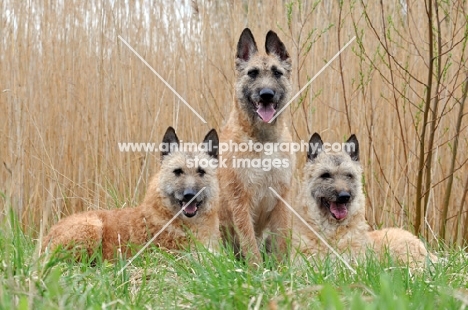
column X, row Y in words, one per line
column 349, row 176
column 325, row 175
column 201, row 172
column 253, row 73
column 178, row 172
column 277, row 73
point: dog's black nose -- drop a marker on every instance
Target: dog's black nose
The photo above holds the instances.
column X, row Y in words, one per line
column 189, row 193
column 267, row 94
column 343, row 197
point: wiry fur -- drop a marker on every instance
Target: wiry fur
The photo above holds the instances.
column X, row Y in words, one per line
column 328, row 174
column 119, row 230
column 247, row 205
column 402, row 246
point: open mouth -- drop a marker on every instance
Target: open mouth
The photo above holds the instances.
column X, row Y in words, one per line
column 338, row 210
column 266, row 111
column 191, row 209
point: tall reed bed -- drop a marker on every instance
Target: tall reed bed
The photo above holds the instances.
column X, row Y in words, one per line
column 70, row 90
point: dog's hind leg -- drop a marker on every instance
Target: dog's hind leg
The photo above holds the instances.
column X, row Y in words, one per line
column 78, row 233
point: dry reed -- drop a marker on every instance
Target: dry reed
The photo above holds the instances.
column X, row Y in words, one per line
column 70, row 91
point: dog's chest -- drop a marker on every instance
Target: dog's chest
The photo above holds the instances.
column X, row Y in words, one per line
column 260, row 167
column 275, row 171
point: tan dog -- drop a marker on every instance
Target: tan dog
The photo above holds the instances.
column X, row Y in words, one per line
column 402, row 246
column 332, row 201
column 248, row 206
column 333, row 204
column 178, row 182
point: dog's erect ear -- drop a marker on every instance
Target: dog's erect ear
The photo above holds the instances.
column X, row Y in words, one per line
column 246, row 47
column 169, row 143
column 352, row 147
column 315, row 147
column 273, row 45
column 211, row 142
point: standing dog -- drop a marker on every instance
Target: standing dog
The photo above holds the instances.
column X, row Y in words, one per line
column 333, row 204
column 178, row 181
column 248, row 206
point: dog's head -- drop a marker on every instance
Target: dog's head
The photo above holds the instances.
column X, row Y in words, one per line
column 333, row 179
column 187, row 178
column 263, row 80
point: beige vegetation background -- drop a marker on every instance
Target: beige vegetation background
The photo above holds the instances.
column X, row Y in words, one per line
column 70, row 90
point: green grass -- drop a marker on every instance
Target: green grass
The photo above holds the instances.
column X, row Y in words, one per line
column 202, row 280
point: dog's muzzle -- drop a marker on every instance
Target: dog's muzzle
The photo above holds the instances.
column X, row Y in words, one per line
column 339, row 207
column 266, row 108
column 192, row 207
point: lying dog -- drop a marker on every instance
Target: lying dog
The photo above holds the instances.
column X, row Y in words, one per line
column 176, row 185
column 333, row 204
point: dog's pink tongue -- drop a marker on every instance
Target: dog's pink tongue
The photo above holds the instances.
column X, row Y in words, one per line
column 191, row 208
column 266, row 112
column 339, row 210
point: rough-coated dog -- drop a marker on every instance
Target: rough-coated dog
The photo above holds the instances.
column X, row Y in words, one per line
column 401, row 245
column 333, row 203
column 332, row 200
column 248, row 207
column 177, row 182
